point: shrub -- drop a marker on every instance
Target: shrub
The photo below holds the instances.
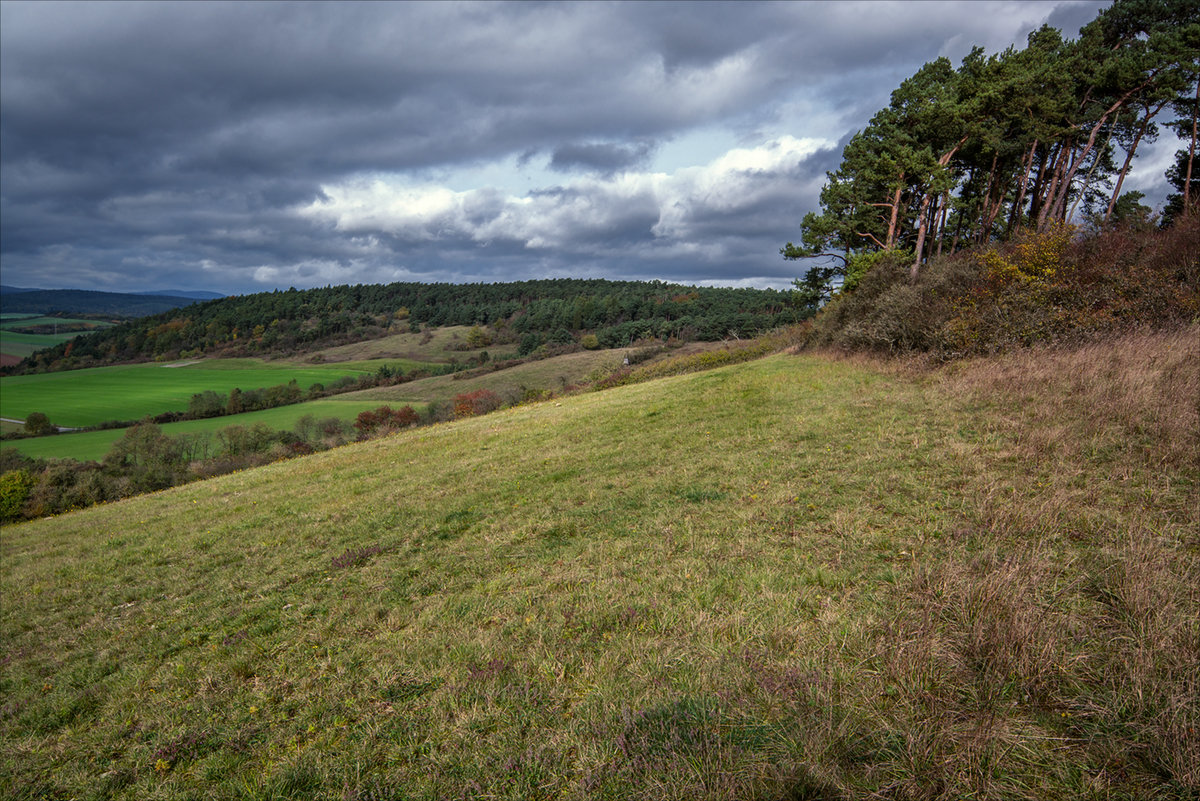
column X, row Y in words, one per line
column 207, row 404
column 370, row 422
column 481, row 401
column 1048, row 287
column 478, row 338
column 15, row 486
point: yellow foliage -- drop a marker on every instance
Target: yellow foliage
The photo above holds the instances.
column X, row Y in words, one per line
column 1035, row 256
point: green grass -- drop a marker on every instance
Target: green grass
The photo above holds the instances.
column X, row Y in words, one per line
column 93, row 445
column 8, row 321
column 20, row 344
column 87, row 397
column 792, row 578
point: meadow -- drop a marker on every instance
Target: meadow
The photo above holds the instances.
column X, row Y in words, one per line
column 799, row 577
column 129, row 392
column 20, row 344
column 93, row 445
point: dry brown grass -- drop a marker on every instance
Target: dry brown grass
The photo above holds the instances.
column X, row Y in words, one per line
column 1139, row 392
column 1066, row 618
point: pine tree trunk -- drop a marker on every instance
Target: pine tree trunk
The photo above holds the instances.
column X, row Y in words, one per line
column 1014, row 219
column 1091, row 171
column 891, row 236
column 1064, row 187
column 987, row 200
column 1048, row 200
column 941, row 229
column 1187, row 184
column 1112, row 201
column 915, row 270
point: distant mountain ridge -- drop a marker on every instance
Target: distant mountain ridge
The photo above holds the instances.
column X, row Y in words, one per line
column 193, row 294
column 86, row 301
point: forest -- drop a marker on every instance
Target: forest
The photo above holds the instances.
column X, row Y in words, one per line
column 530, row 313
column 1026, row 140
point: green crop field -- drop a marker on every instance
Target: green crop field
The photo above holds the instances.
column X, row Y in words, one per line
column 87, row 397
column 21, row 344
column 792, row 578
column 18, row 344
column 21, row 320
column 93, row 445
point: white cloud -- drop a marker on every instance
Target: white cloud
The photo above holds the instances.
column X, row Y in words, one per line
column 628, row 207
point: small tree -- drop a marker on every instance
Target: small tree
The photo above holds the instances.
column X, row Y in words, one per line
column 481, row 401
column 38, row 424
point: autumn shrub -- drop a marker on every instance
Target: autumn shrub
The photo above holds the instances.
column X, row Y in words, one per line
column 480, row 401
column 1049, row 287
column 888, row 313
column 1043, row 287
column 372, row 421
column 15, row 486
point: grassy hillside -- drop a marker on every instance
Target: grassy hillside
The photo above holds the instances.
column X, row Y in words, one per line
column 793, row 578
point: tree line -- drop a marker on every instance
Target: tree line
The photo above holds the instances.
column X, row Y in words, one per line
column 554, row 310
column 1023, row 140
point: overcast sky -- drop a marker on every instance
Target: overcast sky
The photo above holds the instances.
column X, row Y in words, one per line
column 249, row 146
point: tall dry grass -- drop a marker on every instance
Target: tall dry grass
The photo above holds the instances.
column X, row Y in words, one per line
column 1138, row 393
column 1066, row 618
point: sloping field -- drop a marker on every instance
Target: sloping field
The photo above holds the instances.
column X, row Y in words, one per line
column 16, row 345
column 791, row 578
column 93, row 445
column 438, row 345
column 547, row 374
column 129, row 392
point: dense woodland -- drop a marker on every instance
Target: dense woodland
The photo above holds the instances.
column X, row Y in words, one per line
column 1017, row 142
column 528, row 313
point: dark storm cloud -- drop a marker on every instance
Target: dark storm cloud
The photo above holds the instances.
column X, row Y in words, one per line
column 240, row 146
column 603, row 157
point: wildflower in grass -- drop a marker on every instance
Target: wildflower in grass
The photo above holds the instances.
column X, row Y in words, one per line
column 162, row 766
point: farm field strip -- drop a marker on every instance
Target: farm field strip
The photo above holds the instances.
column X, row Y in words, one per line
column 93, row 445
column 19, row 344
column 88, row 397
column 21, row 320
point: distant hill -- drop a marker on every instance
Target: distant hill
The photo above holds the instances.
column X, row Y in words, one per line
column 524, row 314
column 183, row 293
column 83, row 301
